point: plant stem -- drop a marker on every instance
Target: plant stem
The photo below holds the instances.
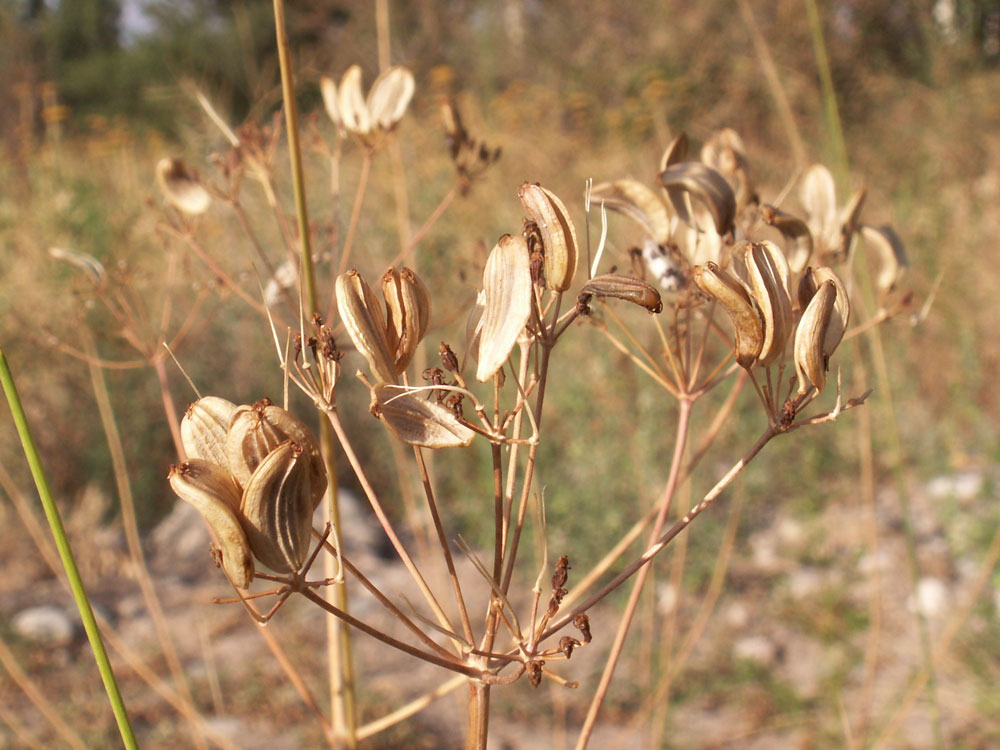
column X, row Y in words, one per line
column 66, row 555
column 680, row 443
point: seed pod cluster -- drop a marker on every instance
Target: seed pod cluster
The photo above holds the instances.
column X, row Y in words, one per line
column 387, row 341
column 256, row 475
column 385, row 106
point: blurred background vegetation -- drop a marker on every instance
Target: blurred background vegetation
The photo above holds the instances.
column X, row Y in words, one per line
column 97, row 91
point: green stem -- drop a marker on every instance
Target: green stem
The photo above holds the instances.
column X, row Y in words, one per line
column 66, row 555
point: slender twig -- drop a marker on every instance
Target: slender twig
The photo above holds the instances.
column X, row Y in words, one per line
column 680, row 444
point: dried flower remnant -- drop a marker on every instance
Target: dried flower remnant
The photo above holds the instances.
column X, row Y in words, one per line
column 181, row 187
column 369, row 118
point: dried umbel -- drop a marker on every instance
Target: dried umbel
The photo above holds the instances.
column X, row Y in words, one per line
column 559, row 245
column 181, row 187
column 385, row 106
column 256, row 475
column 507, row 303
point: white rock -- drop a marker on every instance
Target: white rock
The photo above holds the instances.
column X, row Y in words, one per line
column 45, row 624
column 755, row 648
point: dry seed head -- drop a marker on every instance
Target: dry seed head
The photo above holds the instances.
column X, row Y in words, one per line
column 639, row 203
column 810, row 359
column 389, row 97
column 558, row 234
column 204, row 428
column 767, row 272
column 417, row 421
column 277, row 508
column 210, row 489
column 704, row 184
column 258, row 430
column 408, row 311
column 508, row 300
column 723, row 286
column 626, row 288
column 351, row 104
column 181, row 188
column 362, row 317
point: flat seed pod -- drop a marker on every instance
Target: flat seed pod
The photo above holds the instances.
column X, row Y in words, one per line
column 798, row 238
column 389, row 97
column 417, row 421
column 675, row 152
column 810, row 360
column 204, row 428
column 507, row 287
column 209, row 488
column 767, row 272
column 704, row 184
column 408, row 310
column 819, row 199
column 292, row 428
column 351, row 103
column 720, row 284
column 328, row 89
column 841, row 316
column 362, row 316
column 84, row 262
column 277, row 509
column 626, row 288
column 181, row 188
column 558, row 234
column 890, row 253
column 636, row 201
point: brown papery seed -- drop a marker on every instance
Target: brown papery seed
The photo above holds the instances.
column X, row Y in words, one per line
column 204, row 429
column 558, row 234
column 717, row 283
column 625, row 288
column 417, row 421
column 810, row 360
column 362, row 317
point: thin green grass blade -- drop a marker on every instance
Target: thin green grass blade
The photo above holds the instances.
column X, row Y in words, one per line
column 66, row 554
